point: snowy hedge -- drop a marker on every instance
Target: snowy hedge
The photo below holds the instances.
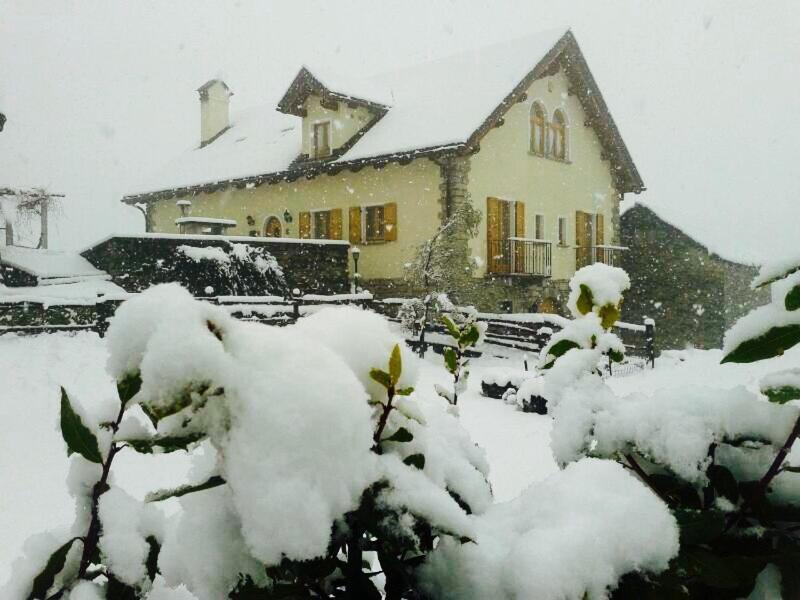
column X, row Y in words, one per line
column 319, row 472
column 718, row 459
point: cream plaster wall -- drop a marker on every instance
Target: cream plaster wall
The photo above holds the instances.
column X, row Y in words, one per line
column 345, row 122
column 414, row 187
column 504, row 168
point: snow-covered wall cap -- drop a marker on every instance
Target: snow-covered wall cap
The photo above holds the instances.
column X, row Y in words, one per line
column 206, row 220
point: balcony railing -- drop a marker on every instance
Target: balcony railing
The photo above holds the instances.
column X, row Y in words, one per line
column 589, row 255
column 519, row 256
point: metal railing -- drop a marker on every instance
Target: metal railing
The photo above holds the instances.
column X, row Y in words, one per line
column 517, row 256
column 589, row 255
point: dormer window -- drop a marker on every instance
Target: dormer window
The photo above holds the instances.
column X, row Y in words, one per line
column 322, row 139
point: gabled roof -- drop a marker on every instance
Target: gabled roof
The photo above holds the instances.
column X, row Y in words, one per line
column 306, row 83
column 439, row 107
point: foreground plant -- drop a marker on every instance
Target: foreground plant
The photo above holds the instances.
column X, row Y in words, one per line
column 717, row 458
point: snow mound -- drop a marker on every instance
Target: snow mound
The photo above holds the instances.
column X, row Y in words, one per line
column 572, row 535
column 607, row 284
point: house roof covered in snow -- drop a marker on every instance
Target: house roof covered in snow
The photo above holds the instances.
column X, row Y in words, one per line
column 435, row 108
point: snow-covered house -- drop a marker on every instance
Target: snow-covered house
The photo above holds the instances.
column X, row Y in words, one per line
column 693, row 292
column 519, row 129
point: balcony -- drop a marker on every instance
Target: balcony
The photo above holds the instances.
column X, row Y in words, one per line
column 519, row 256
column 589, row 255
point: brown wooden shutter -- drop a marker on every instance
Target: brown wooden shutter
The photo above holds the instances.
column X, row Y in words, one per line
column 390, row 221
column 355, row 225
column 336, row 224
column 582, row 253
column 304, row 225
column 493, row 250
column 519, row 231
column 599, row 236
column 519, row 219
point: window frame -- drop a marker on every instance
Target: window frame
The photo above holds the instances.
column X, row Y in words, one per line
column 533, row 125
column 558, row 135
column 314, row 126
column 561, row 235
column 313, row 212
column 538, row 226
column 364, row 220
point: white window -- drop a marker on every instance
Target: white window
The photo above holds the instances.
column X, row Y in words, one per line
column 538, row 227
column 562, row 231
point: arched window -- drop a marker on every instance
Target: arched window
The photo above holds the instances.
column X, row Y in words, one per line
column 272, row 227
column 558, row 136
column 538, row 129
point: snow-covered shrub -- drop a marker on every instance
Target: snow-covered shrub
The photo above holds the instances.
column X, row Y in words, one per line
column 307, row 481
column 466, row 333
column 718, row 459
column 229, row 270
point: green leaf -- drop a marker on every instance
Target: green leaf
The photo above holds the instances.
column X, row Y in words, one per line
column 792, row 300
column 609, row 314
column 616, row 355
column 381, row 377
column 129, row 386
column 454, row 331
column 45, row 579
column 164, row 444
column 152, row 557
column 723, row 482
column 395, row 364
column 450, row 359
column 585, row 300
column 773, row 343
column 781, row 395
column 406, row 391
column 677, row 492
column 77, row 436
column 415, row 460
column 470, row 336
column 119, row 591
column 212, row 482
column 401, row 435
column 561, row 347
column 699, row 526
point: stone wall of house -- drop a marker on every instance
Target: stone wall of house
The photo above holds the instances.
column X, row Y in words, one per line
column 693, row 295
column 312, row 266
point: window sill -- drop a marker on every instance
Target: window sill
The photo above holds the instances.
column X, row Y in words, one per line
column 565, row 161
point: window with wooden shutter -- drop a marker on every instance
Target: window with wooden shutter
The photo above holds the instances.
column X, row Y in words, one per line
column 355, row 225
column 321, row 224
column 494, row 253
column 390, row 221
column 374, row 223
column 304, row 225
column 519, row 231
column 336, row 223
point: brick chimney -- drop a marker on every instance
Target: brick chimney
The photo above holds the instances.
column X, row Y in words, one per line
column 215, row 99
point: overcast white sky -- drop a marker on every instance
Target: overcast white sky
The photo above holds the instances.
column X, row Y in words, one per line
column 98, row 93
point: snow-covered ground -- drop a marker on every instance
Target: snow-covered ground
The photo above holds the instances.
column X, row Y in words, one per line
column 33, row 462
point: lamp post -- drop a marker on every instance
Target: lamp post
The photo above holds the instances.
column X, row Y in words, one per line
column 356, row 253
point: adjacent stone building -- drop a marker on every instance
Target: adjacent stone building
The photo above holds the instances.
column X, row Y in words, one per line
column 693, row 294
column 520, row 130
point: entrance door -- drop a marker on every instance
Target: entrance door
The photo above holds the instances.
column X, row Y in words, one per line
column 272, row 227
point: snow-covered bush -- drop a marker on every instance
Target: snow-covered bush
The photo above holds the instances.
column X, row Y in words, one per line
column 315, row 468
column 228, row 270
column 466, row 333
column 718, row 459
column 318, row 472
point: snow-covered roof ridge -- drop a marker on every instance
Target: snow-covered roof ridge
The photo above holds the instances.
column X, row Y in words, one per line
column 440, row 106
column 693, row 229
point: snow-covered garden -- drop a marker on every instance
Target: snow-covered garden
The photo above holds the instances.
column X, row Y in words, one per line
column 213, row 458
